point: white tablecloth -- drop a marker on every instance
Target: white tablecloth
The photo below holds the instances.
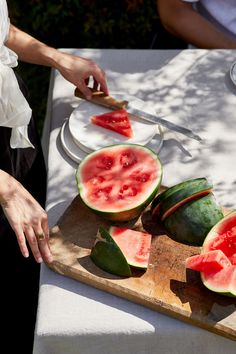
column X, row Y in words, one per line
column 193, row 88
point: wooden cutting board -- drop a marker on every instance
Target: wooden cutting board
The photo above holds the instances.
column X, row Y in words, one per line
column 166, row 286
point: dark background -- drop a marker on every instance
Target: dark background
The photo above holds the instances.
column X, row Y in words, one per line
column 85, row 24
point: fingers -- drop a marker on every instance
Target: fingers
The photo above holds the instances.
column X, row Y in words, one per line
column 33, row 243
column 42, row 238
column 22, row 242
column 37, row 237
column 84, row 89
column 98, row 77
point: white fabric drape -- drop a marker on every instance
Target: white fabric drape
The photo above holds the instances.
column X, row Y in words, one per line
column 15, row 111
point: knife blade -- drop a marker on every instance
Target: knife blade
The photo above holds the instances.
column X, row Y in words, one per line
column 158, row 120
column 98, row 97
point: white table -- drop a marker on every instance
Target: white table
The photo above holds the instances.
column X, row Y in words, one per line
column 194, row 89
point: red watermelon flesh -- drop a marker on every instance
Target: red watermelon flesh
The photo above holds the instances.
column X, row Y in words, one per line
column 219, row 275
column 117, row 121
column 135, row 245
column 223, row 281
column 208, row 262
column 226, row 242
column 117, row 177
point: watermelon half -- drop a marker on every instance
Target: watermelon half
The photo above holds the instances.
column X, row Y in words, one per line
column 118, row 182
column 117, row 121
column 217, row 261
column 119, row 249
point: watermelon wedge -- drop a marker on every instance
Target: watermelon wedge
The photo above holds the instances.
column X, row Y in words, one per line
column 119, row 249
column 135, row 245
column 208, row 262
column 107, row 255
column 217, row 261
column 117, row 121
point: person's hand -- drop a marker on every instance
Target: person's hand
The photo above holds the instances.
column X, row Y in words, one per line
column 79, row 71
column 26, row 217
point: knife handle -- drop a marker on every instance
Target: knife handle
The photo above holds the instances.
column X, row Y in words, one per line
column 99, row 97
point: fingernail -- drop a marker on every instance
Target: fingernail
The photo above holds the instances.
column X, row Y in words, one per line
column 39, row 260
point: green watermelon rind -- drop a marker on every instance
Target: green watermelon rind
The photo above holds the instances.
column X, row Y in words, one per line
column 178, row 193
column 130, row 213
column 215, row 289
column 213, row 232
column 191, row 223
column 107, row 255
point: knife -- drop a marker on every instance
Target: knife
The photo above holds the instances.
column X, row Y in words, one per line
column 98, row 97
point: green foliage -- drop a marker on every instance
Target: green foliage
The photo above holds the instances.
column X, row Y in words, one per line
column 87, row 23
column 80, row 24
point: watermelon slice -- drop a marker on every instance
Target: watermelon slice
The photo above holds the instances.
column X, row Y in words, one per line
column 107, row 255
column 119, row 249
column 217, row 261
column 222, row 282
column 135, row 245
column 117, row 121
column 208, row 262
column 118, row 182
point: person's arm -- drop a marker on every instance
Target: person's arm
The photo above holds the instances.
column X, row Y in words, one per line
column 75, row 69
column 27, row 218
column 180, row 19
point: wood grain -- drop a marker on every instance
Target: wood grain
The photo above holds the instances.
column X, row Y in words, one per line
column 166, row 286
column 99, row 97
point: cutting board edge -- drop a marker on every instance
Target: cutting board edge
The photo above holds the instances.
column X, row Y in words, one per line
column 130, row 295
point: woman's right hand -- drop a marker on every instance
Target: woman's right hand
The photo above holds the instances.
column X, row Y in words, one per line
column 26, row 217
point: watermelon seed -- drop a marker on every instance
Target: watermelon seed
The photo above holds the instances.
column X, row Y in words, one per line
column 128, row 159
column 143, row 178
column 127, row 191
column 97, row 180
column 103, row 193
column 106, row 162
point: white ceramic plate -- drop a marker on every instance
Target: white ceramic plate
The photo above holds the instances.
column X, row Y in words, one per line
column 77, row 154
column 91, row 137
column 232, row 73
column 69, row 146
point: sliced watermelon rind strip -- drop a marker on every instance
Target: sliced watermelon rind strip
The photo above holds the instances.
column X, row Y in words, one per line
column 180, row 191
column 170, row 211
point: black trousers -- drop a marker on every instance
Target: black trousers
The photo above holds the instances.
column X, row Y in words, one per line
column 19, row 276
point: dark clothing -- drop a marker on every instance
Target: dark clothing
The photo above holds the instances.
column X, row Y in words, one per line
column 19, row 275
